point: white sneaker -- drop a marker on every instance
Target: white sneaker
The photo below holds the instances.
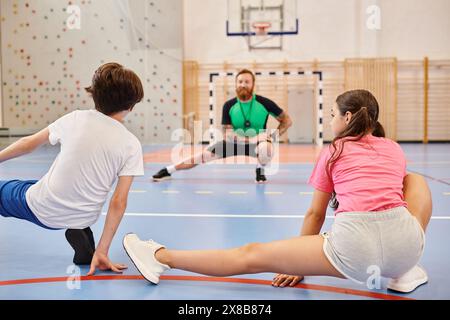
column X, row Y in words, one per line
column 409, row 281
column 142, row 254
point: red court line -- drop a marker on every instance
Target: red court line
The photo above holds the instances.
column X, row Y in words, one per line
column 361, row 293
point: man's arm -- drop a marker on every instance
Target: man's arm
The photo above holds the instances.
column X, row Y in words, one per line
column 25, row 145
column 285, row 123
column 116, row 210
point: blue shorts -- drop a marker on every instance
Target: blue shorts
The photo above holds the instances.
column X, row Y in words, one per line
column 13, row 203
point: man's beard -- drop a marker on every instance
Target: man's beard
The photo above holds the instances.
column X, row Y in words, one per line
column 244, row 94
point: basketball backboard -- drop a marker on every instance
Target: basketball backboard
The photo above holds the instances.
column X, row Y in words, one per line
column 246, row 16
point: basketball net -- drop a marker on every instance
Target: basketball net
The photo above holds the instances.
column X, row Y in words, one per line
column 261, row 27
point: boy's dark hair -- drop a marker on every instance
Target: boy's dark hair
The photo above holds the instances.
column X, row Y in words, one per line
column 115, row 89
column 243, row 71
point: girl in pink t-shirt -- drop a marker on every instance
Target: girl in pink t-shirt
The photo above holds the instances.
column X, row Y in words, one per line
column 381, row 215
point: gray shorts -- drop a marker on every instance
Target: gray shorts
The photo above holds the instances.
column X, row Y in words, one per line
column 390, row 242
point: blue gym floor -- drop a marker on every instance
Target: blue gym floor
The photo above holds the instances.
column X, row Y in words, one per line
column 212, row 206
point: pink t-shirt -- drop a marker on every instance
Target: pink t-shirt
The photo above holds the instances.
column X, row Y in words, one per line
column 368, row 176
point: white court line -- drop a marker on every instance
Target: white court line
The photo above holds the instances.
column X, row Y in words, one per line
column 446, row 193
column 271, row 193
column 230, row 192
column 253, row 216
column 131, row 191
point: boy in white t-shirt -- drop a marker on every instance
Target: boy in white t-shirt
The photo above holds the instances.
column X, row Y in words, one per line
column 96, row 151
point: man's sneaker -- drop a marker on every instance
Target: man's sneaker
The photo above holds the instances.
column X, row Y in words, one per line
column 409, row 281
column 82, row 242
column 260, row 177
column 163, row 174
column 142, row 254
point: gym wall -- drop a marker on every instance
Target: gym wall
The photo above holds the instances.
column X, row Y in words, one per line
column 334, row 39
column 330, row 30
column 50, row 52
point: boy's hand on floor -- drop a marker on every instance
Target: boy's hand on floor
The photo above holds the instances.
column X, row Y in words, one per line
column 101, row 261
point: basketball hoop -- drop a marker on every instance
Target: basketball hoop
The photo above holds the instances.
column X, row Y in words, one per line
column 261, row 27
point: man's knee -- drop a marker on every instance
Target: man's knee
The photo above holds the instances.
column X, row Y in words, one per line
column 264, row 151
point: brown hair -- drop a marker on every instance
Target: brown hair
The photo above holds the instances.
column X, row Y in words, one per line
column 365, row 111
column 115, row 89
column 244, row 71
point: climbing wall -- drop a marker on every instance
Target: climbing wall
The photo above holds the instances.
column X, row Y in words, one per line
column 51, row 48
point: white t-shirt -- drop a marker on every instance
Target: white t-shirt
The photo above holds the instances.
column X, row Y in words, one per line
column 95, row 150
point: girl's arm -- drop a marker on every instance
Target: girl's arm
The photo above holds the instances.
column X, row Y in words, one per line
column 315, row 216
